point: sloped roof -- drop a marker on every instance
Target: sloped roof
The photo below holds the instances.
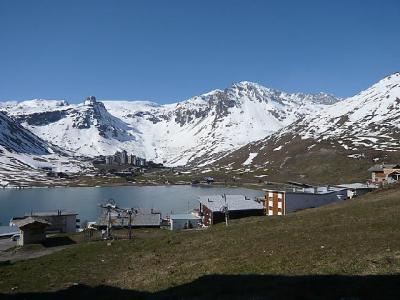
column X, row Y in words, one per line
column 23, row 223
column 378, row 168
column 50, row 213
column 152, row 219
column 234, row 202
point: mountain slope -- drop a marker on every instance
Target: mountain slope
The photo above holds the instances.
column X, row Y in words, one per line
column 195, row 131
column 23, row 156
column 342, row 139
column 85, row 129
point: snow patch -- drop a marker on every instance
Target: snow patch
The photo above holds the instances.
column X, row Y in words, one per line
column 249, row 160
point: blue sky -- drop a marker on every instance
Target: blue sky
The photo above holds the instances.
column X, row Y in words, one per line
column 168, row 51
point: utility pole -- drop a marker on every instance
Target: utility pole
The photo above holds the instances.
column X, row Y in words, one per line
column 130, row 211
column 225, row 210
column 109, row 222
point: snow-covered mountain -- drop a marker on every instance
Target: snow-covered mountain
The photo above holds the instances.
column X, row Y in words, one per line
column 23, row 155
column 363, row 128
column 200, row 129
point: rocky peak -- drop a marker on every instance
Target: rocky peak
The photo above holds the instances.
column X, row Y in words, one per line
column 90, row 101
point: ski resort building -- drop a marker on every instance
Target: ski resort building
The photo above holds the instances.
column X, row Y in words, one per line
column 212, row 208
column 385, row 173
column 281, row 202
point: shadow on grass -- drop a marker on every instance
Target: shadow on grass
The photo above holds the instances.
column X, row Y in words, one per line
column 245, row 287
column 57, row 241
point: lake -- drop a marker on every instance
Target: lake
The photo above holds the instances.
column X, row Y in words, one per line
column 85, row 200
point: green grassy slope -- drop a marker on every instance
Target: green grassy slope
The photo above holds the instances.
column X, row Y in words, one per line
column 332, row 252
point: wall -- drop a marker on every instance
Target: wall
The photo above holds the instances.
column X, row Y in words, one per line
column 298, row 201
column 178, row 224
column 378, row 176
column 207, row 215
column 61, row 223
column 219, row 217
column 29, row 236
column 274, row 203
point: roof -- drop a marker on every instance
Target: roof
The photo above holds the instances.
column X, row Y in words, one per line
column 317, row 190
column 357, row 186
column 50, row 213
column 300, row 184
column 22, row 223
column 184, row 217
column 379, row 168
column 234, row 202
column 152, row 219
column 394, row 173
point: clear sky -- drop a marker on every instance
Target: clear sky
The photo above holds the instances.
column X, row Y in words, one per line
column 168, row 51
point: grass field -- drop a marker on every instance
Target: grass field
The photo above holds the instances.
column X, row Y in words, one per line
column 349, row 250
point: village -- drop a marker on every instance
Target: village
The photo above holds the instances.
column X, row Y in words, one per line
column 38, row 227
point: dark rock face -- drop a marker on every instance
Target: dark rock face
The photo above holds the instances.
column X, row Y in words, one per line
column 16, row 138
column 42, row 118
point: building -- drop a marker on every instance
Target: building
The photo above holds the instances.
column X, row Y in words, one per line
column 209, row 179
column 32, row 230
column 117, row 158
column 109, row 160
column 140, row 162
column 124, row 157
column 140, row 218
column 281, row 202
column 212, row 208
column 132, row 160
column 184, row 221
column 357, row 189
column 60, row 221
column 385, row 173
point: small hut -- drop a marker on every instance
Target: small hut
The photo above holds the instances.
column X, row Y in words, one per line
column 32, row 230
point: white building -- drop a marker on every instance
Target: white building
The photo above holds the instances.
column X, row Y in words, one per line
column 184, row 221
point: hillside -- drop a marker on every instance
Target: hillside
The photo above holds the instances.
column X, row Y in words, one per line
column 335, row 145
column 349, row 250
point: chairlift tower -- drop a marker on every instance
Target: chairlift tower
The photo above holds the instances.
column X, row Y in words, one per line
column 225, row 209
column 109, row 207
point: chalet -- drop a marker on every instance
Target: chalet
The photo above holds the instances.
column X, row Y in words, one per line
column 32, row 230
column 385, row 173
column 281, row 202
column 59, row 221
column 184, row 221
column 212, row 208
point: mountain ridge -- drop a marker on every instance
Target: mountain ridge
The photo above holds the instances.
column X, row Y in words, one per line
column 198, row 129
